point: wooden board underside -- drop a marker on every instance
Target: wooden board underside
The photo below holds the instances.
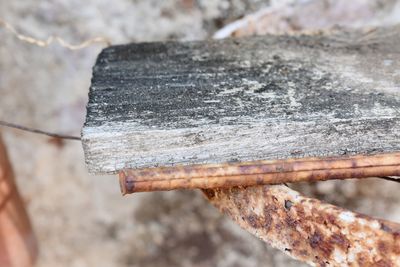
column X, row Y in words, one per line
column 260, row 98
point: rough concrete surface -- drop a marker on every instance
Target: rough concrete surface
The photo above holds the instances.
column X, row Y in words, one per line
column 82, row 220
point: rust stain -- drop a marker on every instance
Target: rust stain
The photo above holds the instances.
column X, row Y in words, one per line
column 311, row 231
column 127, row 183
column 57, row 141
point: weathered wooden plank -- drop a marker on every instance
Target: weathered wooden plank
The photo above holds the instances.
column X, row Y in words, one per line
column 260, row 98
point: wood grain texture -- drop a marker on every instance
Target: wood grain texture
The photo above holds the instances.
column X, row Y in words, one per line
column 259, row 98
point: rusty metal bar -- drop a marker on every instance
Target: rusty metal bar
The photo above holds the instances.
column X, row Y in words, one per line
column 258, row 173
column 309, row 230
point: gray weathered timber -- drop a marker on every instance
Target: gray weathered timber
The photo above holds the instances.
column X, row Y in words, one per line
column 271, row 97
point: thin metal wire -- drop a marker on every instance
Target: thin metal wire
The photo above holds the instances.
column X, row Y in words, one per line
column 36, row 131
column 44, row 43
column 51, row 39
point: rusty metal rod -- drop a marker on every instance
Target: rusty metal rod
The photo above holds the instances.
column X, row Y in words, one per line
column 260, row 167
column 258, row 173
column 310, row 230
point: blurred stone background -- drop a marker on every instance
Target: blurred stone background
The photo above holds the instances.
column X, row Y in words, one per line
column 82, row 220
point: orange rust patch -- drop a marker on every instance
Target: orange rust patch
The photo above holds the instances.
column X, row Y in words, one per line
column 311, row 231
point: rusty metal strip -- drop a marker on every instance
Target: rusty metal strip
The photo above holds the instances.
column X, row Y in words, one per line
column 258, row 173
column 309, row 230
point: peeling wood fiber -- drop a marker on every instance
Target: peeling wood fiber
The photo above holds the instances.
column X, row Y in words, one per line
column 259, row 98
